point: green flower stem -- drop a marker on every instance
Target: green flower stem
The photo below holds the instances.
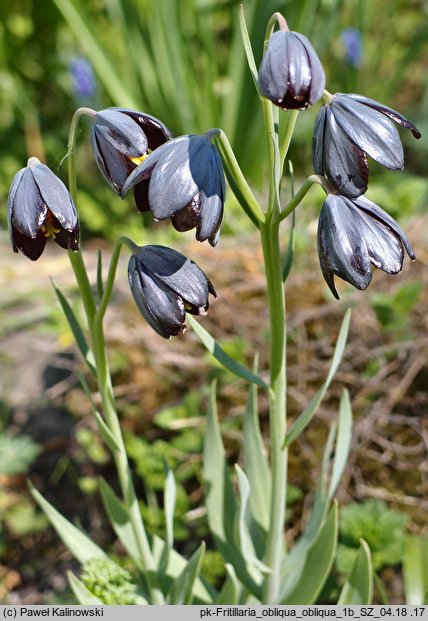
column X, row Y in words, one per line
column 276, row 18
column 289, row 129
column 277, row 408
column 108, row 288
column 232, row 164
column 299, row 196
column 95, row 323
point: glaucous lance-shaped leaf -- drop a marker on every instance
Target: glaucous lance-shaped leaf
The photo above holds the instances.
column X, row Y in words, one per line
column 182, row 180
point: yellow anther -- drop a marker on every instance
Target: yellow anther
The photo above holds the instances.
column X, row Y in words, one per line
column 48, row 228
column 139, row 160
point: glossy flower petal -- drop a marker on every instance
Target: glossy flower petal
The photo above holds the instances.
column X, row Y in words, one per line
column 165, row 285
column 40, row 206
column 355, row 234
column 182, row 180
column 348, row 129
column 291, row 74
column 121, row 138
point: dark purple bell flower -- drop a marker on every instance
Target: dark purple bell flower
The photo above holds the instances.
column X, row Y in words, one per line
column 165, row 285
column 182, row 180
column 291, row 75
column 349, row 129
column 121, row 139
column 39, row 207
column 355, row 234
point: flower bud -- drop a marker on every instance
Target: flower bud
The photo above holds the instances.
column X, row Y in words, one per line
column 291, row 75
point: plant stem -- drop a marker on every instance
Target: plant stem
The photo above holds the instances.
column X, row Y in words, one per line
column 303, row 190
column 277, row 409
column 95, row 324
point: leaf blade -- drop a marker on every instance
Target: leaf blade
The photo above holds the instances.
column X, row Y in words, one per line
column 358, row 587
column 220, row 355
column 306, row 416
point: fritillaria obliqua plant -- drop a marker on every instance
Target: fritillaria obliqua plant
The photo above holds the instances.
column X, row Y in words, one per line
column 183, row 179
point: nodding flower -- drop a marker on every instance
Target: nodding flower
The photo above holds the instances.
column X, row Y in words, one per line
column 121, row 139
column 353, row 235
column 347, row 130
column 165, row 285
column 39, row 207
column 182, row 180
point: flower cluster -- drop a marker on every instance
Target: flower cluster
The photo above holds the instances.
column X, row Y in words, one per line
column 179, row 178
column 182, row 179
column 353, row 232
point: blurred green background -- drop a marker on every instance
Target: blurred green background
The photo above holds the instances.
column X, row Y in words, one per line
column 183, row 62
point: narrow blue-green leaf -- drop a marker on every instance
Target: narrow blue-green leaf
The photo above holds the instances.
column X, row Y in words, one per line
column 245, row 543
column 304, row 584
column 415, row 569
column 306, row 416
column 247, row 47
column 77, row 331
column 230, row 591
column 104, row 67
column 255, row 461
column 343, row 442
column 100, row 282
column 220, row 355
column 119, row 519
column 358, row 587
column 79, row 544
column 169, row 498
column 289, row 255
column 203, row 593
column 182, row 588
column 219, row 498
column 81, row 593
column 288, row 259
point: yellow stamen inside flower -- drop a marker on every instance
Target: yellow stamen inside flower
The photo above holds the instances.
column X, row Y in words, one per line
column 48, row 228
column 139, row 160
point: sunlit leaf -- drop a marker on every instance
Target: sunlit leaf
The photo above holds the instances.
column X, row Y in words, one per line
column 229, row 594
column 343, row 442
column 77, row 331
column 415, row 567
column 182, row 587
column 302, row 585
column 306, row 416
column 119, row 519
column 169, row 507
column 358, row 587
column 220, row 355
column 79, row 544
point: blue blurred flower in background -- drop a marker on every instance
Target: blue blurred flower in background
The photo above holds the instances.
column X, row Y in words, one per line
column 84, row 85
column 352, row 42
